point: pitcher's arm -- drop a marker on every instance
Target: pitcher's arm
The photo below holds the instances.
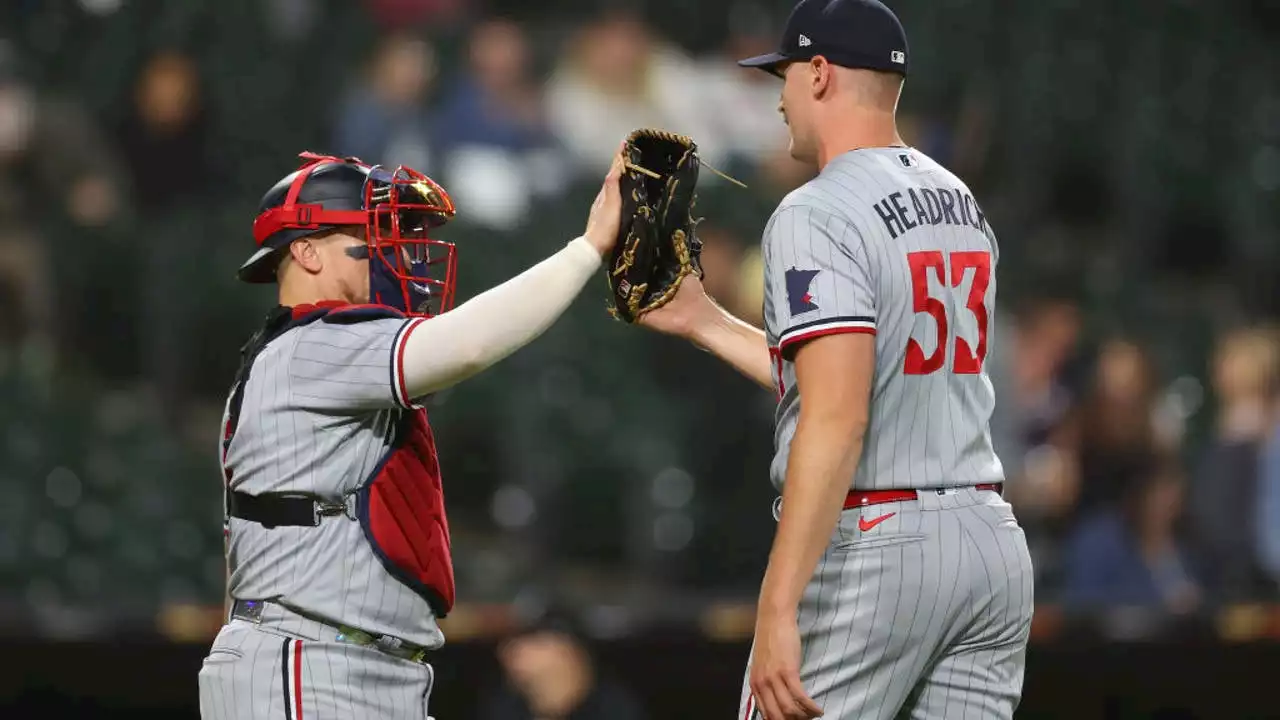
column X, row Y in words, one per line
column 738, row 343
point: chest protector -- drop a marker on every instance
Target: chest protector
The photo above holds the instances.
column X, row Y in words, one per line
column 400, row 506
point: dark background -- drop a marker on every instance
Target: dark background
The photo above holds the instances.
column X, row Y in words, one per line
column 1127, row 154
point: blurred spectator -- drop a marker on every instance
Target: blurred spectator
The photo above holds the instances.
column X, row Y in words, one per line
column 1032, row 398
column 1226, row 494
column 292, row 20
column 746, row 98
column 1267, row 518
column 1028, row 367
column 723, row 254
column 56, row 171
column 959, row 139
column 491, row 131
column 551, row 675
column 1109, row 439
column 383, row 119
column 616, row 77
column 1129, row 554
column 50, row 148
column 166, row 144
column 165, row 137
column 781, row 173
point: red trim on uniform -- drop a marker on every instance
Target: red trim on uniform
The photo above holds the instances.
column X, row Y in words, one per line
column 301, row 311
column 297, row 679
column 226, row 445
column 859, row 498
column 819, row 332
column 862, row 498
column 404, row 339
column 750, row 701
column 368, row 306
column 338, row 306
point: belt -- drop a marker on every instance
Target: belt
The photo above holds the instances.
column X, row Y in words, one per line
column 284, row 510
column 860, row 498
column 251, row 611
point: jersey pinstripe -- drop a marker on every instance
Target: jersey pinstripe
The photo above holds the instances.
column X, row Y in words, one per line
column 886, row 241
column 318, row 415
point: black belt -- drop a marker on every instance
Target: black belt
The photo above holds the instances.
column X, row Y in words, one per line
column 284, row 510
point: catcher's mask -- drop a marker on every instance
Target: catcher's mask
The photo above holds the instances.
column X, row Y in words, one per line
column 407, row 270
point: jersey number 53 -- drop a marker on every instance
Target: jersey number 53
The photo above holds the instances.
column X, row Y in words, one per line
column 965, row 359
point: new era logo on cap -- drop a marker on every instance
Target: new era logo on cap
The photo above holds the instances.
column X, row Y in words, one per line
column 848, row 33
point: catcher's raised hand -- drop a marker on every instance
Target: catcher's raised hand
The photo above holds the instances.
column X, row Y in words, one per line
column 606, row 211
column 657, row 249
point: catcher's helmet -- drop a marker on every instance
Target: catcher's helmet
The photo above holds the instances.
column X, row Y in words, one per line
column 395, row 208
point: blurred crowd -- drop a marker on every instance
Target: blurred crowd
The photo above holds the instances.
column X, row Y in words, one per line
column 1141, row 438
column 1118, row 509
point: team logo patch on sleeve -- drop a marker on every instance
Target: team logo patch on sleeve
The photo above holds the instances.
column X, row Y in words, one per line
column 799, row 298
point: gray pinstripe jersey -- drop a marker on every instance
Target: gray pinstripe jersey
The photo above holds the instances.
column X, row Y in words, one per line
column 318, row 414
column 887, row 241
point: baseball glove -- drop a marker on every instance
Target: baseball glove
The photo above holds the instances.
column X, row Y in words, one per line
column 656, row 248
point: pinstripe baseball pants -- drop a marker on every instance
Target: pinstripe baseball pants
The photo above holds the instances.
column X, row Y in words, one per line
column 922, row 615
column 258, row 672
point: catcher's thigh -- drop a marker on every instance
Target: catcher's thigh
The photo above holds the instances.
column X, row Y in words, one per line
column 255, row 673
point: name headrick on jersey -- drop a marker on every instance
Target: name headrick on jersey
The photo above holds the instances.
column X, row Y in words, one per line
column 930, row 206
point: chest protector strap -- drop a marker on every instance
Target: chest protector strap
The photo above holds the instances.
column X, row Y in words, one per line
column 400, row 506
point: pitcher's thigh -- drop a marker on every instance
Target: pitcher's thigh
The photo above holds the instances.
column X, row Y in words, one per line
column 983, row 684
column 870, row 622
column 980, row 674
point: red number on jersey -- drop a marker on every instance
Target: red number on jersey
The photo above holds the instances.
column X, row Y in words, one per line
column 921, row 262
column 967, row 361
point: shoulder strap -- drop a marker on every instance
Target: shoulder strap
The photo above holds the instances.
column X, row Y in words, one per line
column 277, row 321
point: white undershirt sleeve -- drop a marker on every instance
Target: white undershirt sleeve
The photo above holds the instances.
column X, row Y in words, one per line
column 441, row 351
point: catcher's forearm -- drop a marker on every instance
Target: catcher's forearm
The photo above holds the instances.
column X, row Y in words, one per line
column 450, row 348
column 738, row 343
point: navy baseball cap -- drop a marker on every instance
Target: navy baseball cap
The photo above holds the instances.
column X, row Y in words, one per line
column 849, row 33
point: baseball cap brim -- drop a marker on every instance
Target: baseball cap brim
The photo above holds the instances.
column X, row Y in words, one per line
column 260, row 267
column 769, row 63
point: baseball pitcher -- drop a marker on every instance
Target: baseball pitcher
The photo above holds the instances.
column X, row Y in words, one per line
column 337, row 539
column 899, row 584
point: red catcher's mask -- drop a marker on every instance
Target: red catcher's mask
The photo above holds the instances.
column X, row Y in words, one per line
column 408, row 270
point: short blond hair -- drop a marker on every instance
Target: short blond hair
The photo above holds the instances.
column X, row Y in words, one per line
column 1254, row 350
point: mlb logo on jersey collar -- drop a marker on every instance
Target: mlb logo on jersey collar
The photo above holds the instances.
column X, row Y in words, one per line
column 799, row 298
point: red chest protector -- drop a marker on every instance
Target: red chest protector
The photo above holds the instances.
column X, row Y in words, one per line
column 400, row 506
column 401, row 509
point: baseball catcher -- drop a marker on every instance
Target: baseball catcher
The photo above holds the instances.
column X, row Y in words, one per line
column 338, row 553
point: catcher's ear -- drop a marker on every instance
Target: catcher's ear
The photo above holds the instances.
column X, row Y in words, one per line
column 304, row 253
